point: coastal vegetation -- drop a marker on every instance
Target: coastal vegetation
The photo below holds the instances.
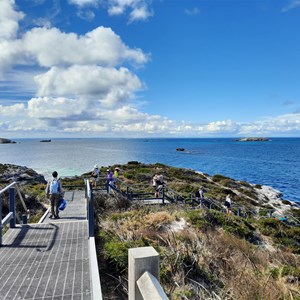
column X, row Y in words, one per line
column 204, row 254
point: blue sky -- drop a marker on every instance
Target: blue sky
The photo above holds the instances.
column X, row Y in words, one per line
column 136, row 68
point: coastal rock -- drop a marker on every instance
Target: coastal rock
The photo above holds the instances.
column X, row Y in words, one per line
column 253, row 139
column 23, row 175
column 6, row 141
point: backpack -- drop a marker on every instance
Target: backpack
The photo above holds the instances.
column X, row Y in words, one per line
column 54, row 186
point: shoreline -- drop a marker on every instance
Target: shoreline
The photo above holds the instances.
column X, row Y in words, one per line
column 266, row 194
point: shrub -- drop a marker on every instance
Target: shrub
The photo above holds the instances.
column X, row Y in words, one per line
column 219, row 177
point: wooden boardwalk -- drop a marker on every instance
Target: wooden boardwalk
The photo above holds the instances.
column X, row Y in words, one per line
column 49, row 260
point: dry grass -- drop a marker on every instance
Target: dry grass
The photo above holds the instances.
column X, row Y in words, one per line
column 211, row 264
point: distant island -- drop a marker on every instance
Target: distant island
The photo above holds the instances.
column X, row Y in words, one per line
column 253, row 139
column 45, row 141
column 6, row 141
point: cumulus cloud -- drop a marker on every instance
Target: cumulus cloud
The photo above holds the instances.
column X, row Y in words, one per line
column 108, row 85
column 9, row 19
column 101, row 46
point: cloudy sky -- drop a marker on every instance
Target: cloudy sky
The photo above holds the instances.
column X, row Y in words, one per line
column 149, row 68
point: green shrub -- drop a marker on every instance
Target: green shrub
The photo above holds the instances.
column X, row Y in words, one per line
column 219, row 177
column 232, row 224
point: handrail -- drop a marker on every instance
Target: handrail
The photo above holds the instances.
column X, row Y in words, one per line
column 21, row 199
column 172, row 196
column 95, row 278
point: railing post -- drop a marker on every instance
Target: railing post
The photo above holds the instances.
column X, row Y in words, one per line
column 140, row 260
column 12, row 207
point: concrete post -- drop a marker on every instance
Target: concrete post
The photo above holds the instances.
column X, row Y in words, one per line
column 140, row 260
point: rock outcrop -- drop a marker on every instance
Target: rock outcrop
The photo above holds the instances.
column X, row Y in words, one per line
column 23, row 175
column 6, row 141
column 253, row 139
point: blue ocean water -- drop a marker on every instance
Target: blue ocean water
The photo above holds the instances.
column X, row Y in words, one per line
column 275, row 163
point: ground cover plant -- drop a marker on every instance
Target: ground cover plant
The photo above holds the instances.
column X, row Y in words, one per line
column 204, row 254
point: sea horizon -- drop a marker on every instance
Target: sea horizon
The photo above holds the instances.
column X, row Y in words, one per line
column 275, row 163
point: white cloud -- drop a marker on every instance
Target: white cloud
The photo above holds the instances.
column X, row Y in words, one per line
column 9, row 18
column 293, row 4
column 51, row 47
column 138, row 9
column 108, row 85
column 193, row 11
column 83, row 2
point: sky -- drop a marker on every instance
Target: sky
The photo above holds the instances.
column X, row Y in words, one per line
column 149, row 68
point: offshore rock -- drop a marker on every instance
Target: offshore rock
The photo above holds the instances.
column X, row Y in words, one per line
column 6, row 141
column 253, row 139
column 23, row 175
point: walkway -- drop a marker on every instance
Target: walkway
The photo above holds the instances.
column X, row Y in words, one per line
column 48, row 260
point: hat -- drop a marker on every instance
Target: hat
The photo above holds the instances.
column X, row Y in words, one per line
column 116, row 168
column 108, row 170
column 95, row 166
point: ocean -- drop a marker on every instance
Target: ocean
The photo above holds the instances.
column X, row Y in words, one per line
column 275, row 163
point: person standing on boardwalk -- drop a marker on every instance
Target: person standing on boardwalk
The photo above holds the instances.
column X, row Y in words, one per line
column 54, row 191
column 109, row 179
column 95, row 175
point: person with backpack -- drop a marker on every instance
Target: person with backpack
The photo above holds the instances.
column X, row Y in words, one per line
column 54, row 192
column 95, row 176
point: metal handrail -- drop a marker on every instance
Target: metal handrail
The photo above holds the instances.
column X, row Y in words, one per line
column 21, row 199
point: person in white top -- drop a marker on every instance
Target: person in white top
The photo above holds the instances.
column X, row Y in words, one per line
column 95, row 175
column 228, row 203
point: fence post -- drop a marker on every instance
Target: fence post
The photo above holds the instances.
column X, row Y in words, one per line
column 141, row 260
column 12, row 207
column 163, row 196
column 239, row 212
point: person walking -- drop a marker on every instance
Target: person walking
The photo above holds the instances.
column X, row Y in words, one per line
column 54, row 191
column 109, row 179
column 228, row 204
column 200, row 196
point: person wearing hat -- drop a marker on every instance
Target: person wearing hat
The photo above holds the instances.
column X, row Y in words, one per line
column 95, row 175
